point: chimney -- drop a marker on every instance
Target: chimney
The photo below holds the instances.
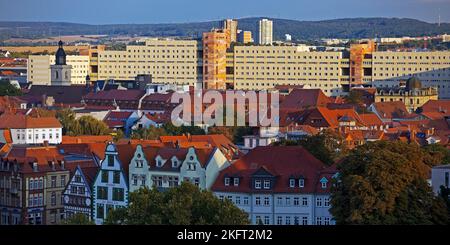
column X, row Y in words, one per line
column 62, row 165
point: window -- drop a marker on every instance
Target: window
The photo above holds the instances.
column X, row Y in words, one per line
column 279, row 220
column 258, row 220
column 245, row 200
column 304, row 220
column 291, row 183
column 63, row 180
column 118, row 194
column 110, row 161
column 238, row 200
column 235, row 181
column 288, row 201
column 53, row 199
column 326, row 221
column 102, row 193
column 296, row 220
column 296, row 201
column 266, row 184
column 196, row 181
column 304, row 201
column 288, row 220
column 53, row 182
column 258, row 201
column 301, row 183
column 318, row 202
column 326, row 202
column 324, row 185
column 227, row 181
column 173, row 181
column 104, row 176
column 318, row 220
column 257, row 184
column 81, row 190
column 266, row 220
column 116, row 177
column 135, row 180
column 266, row 201
column 100, row 211
column 279, row 201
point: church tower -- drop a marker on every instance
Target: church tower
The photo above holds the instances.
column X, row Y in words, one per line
column 61, row 72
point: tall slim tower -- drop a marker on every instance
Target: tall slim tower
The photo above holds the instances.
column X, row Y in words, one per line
column 231, row 26
column 60, row 71
column 265, row 32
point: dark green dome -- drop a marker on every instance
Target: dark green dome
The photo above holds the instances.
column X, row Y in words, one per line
column 413, row 83
column 60, row 54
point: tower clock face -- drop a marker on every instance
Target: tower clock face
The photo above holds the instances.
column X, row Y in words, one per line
column 66, row 199
column 88, row 201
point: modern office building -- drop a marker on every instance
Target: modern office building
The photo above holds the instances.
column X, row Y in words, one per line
column 265, row 32
column 245, row 37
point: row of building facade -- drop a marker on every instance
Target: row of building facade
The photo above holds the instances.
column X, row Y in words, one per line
column 214, row 63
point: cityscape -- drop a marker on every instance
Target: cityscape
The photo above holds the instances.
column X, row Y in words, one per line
column 235, row 121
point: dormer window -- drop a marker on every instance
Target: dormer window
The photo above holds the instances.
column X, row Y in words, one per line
column 266, row 184
column 236, row 181
column 110, row 161
column 292, row 183
column 324, row 182
column 227, row 181
column 174, row 163
column 159, row 163
column 301, row 183
column 257, row 184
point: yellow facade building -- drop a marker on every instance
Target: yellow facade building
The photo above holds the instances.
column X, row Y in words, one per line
column 413, row 95
column 167, row 60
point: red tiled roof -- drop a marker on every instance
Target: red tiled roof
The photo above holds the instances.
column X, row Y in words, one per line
column 392, row 109
column 86, row 139
column 436, row 109
column 370, row 120
column 282, row 162
column 304, row 98
column 22, row 121
column 116, row 95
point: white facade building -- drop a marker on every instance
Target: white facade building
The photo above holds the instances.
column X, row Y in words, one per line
column 29, row 130
column 166, row 167
column 265, row 32
column 279, row 185
column 440, row 176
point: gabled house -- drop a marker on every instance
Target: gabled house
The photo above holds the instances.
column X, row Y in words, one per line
column 121, row 120
column 78, row 192
column 279, row 185
column 166, row 166
column 110, row 186
column 393, row 111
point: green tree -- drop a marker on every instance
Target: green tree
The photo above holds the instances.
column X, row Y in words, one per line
column 7, row 89
column 78, row 219
column 150, row 133
column 182, row 205
column 327, row 146
column 173, row 130
column 353, row 97
column 436, row 154
column 67, row 119
column 385, row 183
column 88, row 125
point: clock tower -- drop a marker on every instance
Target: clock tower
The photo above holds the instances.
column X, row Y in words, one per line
column 60, row 71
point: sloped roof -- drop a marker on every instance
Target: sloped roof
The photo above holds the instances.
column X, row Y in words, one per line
column 391, row 109
column 304, row 98
column 22, row 121
column 282, row 162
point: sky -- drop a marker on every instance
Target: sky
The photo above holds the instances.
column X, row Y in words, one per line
column 176, row 11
